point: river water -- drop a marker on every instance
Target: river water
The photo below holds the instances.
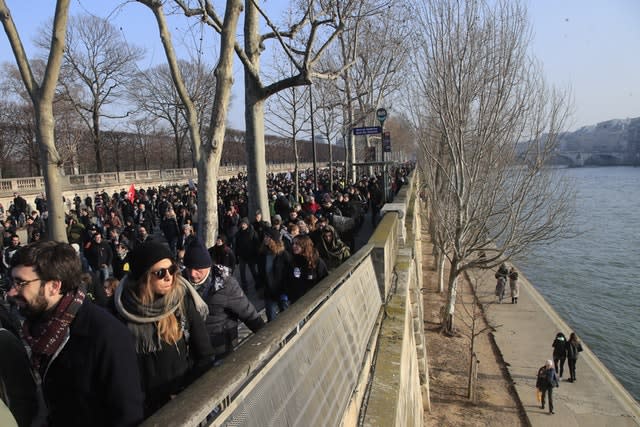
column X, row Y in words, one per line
column 593, row 280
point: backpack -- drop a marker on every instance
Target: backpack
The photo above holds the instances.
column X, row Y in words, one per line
column 542, row 381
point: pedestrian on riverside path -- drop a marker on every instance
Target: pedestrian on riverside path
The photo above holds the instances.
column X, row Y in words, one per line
column 514, row 285
column 573, row 348
column 547, row 380
column 559, row 352
column 500, row 287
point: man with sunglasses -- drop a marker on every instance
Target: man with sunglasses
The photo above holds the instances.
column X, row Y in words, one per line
column 82, row 356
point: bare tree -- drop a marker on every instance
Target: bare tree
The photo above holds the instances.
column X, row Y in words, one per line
column 288, row 116
column 328, row 113
column 154, row 93
column 207, row 152
column 376, row 50
column 42, row 97
column 98, row 62
column 491, row 124
column 315, row 27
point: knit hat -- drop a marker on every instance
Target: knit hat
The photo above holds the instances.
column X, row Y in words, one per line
column 244, row 220
column 276, row 218
column 144, row 256
column 196, row 255
column 273, row 234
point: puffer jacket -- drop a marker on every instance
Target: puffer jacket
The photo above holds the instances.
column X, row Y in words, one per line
column 227, row 304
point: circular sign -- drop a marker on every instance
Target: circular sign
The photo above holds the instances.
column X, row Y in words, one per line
column 381, row 113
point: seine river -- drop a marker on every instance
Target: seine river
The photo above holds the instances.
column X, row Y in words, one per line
column 593, row 280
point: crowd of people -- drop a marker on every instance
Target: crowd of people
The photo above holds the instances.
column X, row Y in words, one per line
column 107, row 328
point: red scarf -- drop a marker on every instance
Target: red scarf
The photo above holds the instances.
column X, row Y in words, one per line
column 50, row 335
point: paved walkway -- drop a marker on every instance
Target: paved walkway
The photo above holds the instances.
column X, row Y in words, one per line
column 524, row 338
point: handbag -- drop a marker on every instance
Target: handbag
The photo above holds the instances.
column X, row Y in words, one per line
column 539, row 396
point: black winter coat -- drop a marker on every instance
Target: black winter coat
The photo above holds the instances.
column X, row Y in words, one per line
column 227, row 304
column 300, row 278
column 274, row 282
column 16, row 379
column 573, row 348
column 171, row 369
column 94, row 380
column 559, row 347
column 247, row 243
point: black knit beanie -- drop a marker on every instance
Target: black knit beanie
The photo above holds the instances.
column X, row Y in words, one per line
column 144, row 256
column 196, row 255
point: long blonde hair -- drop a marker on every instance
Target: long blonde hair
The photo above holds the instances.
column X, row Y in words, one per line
column 169, row 329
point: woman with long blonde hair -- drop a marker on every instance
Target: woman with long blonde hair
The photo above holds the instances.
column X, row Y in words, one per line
column 166, row 318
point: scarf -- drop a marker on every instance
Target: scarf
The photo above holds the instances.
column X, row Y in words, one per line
column 142, row 318
column 49, row 336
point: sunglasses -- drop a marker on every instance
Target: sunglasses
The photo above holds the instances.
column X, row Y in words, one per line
column 162, row 273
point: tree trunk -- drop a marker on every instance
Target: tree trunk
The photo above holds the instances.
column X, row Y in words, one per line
column 51, row 165
column 96, row 139
column 449, row 311
column 208, row 199
column 441, row 264
column 256, row 160
column 296, row 169
column 254, row 116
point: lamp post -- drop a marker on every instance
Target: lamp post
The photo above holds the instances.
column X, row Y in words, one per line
column 313, row 142
column 381, row 114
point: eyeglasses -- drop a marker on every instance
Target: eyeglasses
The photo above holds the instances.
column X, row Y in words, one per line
column 19, row 284
column 162, row 273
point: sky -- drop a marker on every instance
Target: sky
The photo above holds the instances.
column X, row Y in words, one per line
column 589, row 47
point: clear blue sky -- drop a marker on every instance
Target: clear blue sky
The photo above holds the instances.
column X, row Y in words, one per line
column 589, row 46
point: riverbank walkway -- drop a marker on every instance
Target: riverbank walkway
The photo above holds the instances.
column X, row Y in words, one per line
column 524, row 337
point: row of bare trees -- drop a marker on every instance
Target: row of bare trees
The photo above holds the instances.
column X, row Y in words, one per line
column 87, row 67
column 487, row 125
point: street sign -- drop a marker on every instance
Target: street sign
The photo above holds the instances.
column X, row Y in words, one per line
column 369, row 130
column 386, row 142
column 381, row 113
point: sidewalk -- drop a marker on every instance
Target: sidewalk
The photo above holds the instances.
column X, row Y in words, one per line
column 524, row 338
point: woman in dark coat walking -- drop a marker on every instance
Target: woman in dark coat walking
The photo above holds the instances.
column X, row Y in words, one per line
column 559, row 352
column 306, row 269
column 274, row 262
column 166, row 317
column 573, row 348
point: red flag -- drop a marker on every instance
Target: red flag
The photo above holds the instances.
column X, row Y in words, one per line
column 131, row 194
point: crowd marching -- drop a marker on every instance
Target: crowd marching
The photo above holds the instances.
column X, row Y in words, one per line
column 107, row 328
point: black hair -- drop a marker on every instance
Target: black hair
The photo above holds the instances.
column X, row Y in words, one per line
column 51, row 261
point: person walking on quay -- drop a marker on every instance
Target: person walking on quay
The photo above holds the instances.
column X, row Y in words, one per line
column 547, row 380
column 514, row 285
column 573, row 348
column 165, row 315
column 559, row 352
column 83, row 357
column 500, row 287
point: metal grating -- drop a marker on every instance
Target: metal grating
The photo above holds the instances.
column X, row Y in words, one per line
column 310, row 383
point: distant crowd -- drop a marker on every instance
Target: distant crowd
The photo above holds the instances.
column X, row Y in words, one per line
column 108, row 328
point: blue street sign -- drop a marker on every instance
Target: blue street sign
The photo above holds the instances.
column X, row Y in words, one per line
column 370, row 130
